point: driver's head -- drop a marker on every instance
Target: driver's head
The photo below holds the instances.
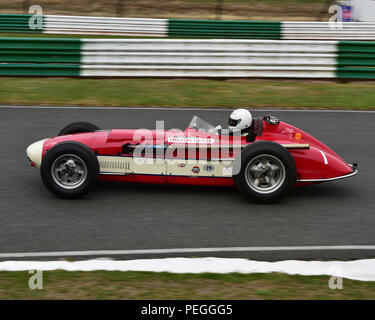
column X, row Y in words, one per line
column 240, row 119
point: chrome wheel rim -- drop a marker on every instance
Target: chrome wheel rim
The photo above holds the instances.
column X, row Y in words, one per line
column 265, row 173
column 69, row 171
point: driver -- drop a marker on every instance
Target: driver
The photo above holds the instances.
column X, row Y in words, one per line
column 240, row 119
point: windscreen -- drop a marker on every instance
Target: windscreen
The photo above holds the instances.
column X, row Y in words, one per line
column 201, row 125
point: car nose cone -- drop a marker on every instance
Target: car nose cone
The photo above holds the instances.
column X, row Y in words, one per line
column 35, row 151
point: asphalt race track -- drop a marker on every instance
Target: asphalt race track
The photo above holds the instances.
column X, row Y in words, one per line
column 130, row 217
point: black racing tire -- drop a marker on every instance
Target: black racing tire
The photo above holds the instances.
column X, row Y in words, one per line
column 78, row 127
column 265, row 172
column 70, row 160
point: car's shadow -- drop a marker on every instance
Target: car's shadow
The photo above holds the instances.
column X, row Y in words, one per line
column 333, row 191
column 136, row 188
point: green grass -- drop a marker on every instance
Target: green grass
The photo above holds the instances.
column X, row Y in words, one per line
column 187, row 93
column 148, row 285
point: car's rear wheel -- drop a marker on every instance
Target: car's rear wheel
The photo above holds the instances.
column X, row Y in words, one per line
column 78, row 127
column 70, row 169
column 265, row 172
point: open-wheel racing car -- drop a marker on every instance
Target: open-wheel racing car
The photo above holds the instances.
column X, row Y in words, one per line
column 264, row 159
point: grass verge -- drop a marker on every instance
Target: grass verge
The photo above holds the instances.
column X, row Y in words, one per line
column 148, row 285
column 188, row 93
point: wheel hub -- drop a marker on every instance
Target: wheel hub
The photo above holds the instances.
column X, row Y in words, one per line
column 265, row 173
column 69, row 171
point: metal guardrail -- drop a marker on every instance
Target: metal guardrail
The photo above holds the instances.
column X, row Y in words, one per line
column 39, row 57
column 207, row 58
column 16, row 23
column 291, row 30
column 285, row 30
column 224, row 29
column 213, row 58
column 356, row 60
column 105, row 26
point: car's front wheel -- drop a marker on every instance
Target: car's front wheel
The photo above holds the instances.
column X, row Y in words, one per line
column 70, row 169
column 265, row 172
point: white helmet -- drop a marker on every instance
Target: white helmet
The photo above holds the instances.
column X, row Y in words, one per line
column 240, row 119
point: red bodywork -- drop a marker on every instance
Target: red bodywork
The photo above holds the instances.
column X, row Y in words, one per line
column 316, row 164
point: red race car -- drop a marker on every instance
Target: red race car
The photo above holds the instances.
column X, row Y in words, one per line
column 263, row 157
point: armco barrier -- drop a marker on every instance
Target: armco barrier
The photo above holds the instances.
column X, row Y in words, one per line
column 293, row 30
column 106, row 25
column 218, row 58
column 224, row 29
column 39, row 57
column 356, row 59
column 16, row 23
column 207, row 58
column 285, row 30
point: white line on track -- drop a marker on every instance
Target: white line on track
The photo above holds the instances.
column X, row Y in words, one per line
column 183, row 108
column 182, row 250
